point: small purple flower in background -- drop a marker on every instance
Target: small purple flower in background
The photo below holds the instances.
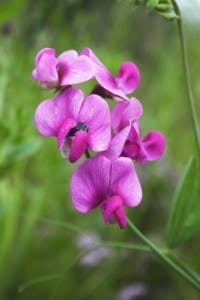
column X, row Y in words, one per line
column 127, row 139
column 67, row 69
column 111, row 185
column 132, row 291
column 125, row 82
column 77, row 123
column 88, row 242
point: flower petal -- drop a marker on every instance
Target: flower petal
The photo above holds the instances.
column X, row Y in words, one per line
column 45, row 70
column 51, row 113
column 117, row 144
column 67, row 56
column 47, row 51
column 108, row 82
column 49, row 116
column 112, row 209
column 96, row 114
column 120, row 216
column 63, row 132
column 125, row 112
column 78, row 146
column 128, row 77
column 89, row 53
column 74, row 99
column 109, row 205
column 152, row 147
column 77, row 71
column 103, row 76
column 124, row 182
column 89, row 183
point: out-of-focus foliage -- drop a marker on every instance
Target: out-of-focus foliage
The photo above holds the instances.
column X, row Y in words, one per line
column 164, row 7
column 41, row 256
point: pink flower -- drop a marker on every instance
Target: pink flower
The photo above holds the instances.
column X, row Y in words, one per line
column 149, row 148
column 125, row 82
column 77, row 123
column 111, row 185
column 67, row 69
column 127, row 139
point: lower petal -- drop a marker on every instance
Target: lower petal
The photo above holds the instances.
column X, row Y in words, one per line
column 78, row 145
column 63, row 132
column 112, row 210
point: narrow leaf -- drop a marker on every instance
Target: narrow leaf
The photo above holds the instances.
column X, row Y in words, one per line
column 184, row 220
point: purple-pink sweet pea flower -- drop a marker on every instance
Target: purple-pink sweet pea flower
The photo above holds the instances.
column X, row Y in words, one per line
column 108, row 184
column 67, row 69
column 125, row 82
column 149, row 148
column 77, row 123
column 127, row 140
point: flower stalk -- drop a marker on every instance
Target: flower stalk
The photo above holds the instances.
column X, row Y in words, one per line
column 195, row 282
column 187, row 77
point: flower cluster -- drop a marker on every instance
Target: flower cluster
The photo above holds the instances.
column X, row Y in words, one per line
column 108, row 179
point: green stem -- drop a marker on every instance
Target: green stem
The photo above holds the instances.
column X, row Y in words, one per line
column 193, row 281
column 187, row 76
column 123, row 245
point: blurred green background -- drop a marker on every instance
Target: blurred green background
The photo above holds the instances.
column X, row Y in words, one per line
column 48, row 250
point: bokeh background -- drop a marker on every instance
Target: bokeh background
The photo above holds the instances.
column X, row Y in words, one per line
column 48, row 250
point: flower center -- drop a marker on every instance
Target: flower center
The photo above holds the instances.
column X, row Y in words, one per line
column 79, row 126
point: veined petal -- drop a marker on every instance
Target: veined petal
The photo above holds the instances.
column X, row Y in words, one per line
column 51, row 113
column 125, row 112
column 152, row 147
column 74, row 99
column 104, row 76
column 124, row 182
column 68, row 56
column 77, row 71
column 128, row 77
column 45, row 70
column 89, row 53
column 47, row 51
column 89, row 183
column 49, row 116
column 96, row 114
column 108, row 82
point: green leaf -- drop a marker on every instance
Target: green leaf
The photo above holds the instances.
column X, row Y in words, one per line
column 184, row 220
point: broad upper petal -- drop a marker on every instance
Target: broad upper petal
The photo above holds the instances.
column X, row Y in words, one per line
column 76, row 71
column 125, row 112
column 45, row 67
column 89, row 183
column 96, row 114
column 128, row 77
column 51, row 113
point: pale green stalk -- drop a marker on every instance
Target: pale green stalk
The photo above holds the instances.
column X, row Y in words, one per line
column 187, row 77
column 195, row 282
